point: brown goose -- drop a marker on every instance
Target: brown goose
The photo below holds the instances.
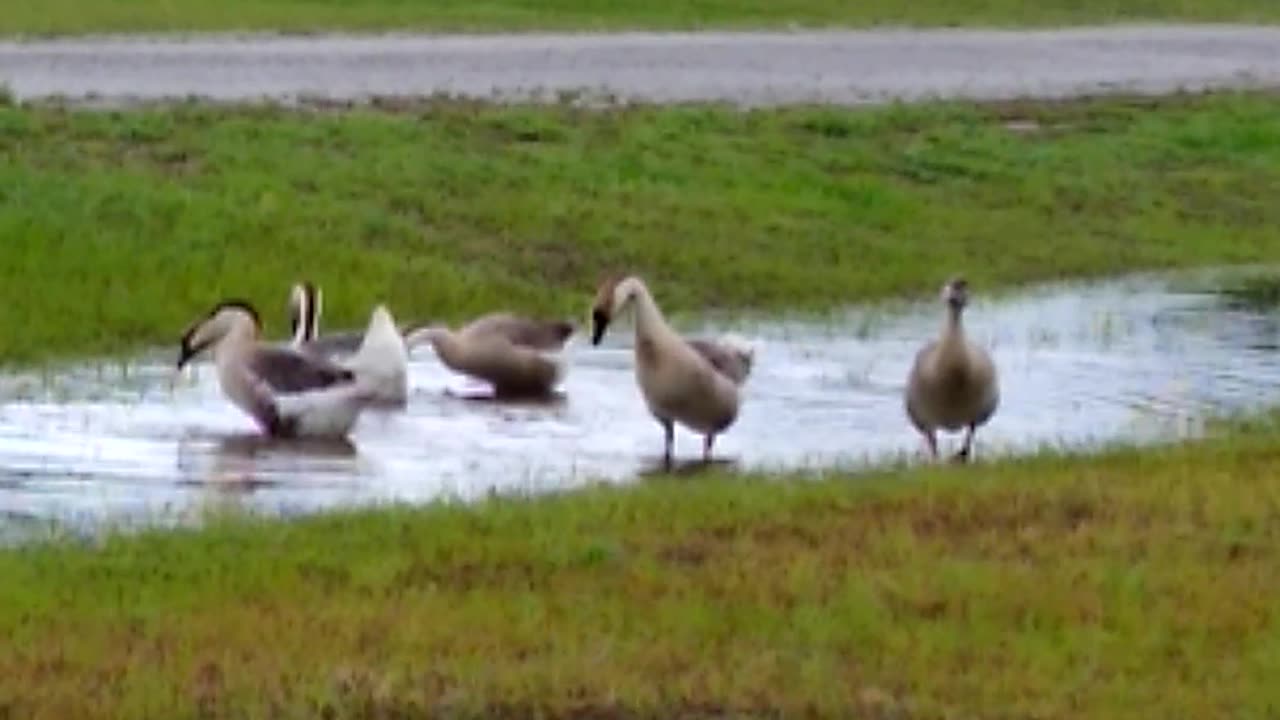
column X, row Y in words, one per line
column 952, row 384
column 690, row 381
column 518, row 356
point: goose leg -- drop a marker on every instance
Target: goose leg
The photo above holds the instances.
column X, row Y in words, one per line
column 707, row 442
column 967, row 446
column 669, row 441
column 931, row 444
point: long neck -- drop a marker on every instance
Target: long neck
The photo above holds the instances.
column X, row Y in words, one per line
column 951, row 344
column 239, row 337
column 953, row 324
column 311, row 318
column 440, row 338
column 301, row 328
column 306, row 313
column 649, row 318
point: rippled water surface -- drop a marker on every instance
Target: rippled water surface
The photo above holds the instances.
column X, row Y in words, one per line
column 1132, row 359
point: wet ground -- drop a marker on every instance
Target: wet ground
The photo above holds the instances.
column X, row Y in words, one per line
column 844, row 67
column 1127, row 360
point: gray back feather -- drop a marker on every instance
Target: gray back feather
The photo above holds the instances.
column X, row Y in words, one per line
column 547, row 335
column 343, row 343
column 729, row 362
column 288, row 371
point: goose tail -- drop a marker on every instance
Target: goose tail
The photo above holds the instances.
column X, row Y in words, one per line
column 743, row 348
column 382, row 359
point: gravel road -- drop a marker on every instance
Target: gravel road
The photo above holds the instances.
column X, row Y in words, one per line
column 750, row 68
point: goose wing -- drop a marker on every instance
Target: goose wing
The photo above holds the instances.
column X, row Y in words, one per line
column 727, row 361
column 918, row 362
column 547, row 335
column 285, row 370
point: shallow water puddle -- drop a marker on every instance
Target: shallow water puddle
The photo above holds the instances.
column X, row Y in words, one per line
column 1130, row 359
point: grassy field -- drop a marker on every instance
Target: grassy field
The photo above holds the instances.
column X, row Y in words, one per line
column 1133, row 585
column 117, row 229
column 79, row 16
column 1129, row 586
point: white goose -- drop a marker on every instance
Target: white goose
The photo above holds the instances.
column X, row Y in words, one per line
column 289, row 393
column 693, row 382
column 517, row 356
column 380, row 354
column 952, row 384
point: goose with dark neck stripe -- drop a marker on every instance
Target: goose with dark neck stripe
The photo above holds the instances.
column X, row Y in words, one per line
column 379, row 353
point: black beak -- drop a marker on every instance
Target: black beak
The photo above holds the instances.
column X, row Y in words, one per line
column 599, row 323
column 187, row 352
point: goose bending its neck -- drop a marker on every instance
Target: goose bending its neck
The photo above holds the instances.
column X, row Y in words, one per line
column 517, row 356
column 694, row 382
column 289, row 393
column 953, row 383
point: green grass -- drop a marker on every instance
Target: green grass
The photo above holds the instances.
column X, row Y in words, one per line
column 1134, row 585
column 1257, row 290
column 117, row 229
column 79, row 16
column 1131, row 585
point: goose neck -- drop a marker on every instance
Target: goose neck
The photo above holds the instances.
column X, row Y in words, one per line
column 440, row 338
column 648, row 316
column 954, row 322
column 239, row 336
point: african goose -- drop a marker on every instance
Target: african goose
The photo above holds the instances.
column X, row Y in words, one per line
column 517, row 356
column 694, row 382
column 379, row 353
column 305, row 306
column 952, row 384
column 289, row 393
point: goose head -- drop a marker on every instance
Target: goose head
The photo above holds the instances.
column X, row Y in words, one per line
column 225, row 318
column 611, row 296
column 304, row 311
column 956, row 293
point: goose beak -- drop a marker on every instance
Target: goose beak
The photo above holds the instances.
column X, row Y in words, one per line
column 185, row 354
column 188, row 350
column 599, row 323
column 956, row 293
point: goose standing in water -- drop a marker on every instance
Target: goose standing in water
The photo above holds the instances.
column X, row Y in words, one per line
column 289, row 393
column 952, row 384
column 517, row 356
column 379, row 354
column 694, row 382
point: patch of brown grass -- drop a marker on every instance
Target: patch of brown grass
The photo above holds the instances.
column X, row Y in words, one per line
column 1125, row 586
